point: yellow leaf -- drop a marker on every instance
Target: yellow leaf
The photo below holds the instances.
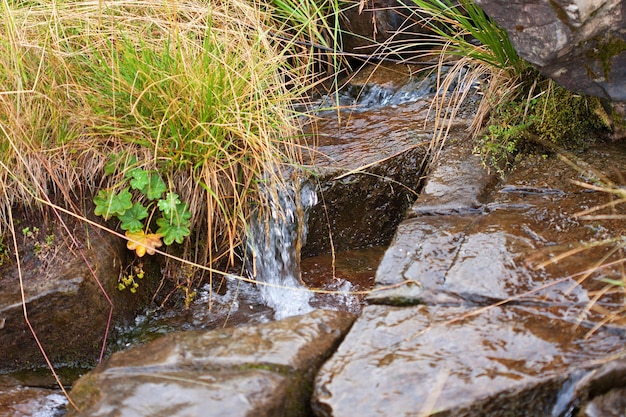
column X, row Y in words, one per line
column 143, row 243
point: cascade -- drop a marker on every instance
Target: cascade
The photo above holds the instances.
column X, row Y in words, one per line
column 276, row 234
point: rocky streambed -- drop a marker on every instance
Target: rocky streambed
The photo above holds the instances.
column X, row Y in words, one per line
column 467, row 317
column 464, row 323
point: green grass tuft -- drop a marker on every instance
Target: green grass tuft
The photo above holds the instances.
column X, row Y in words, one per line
column 202, row 93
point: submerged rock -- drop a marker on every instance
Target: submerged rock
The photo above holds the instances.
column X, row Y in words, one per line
column 263, row 370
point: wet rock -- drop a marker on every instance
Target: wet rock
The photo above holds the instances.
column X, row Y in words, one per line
column 64, row 299
column 20, row 401
column 264, row 370
column 488, row 325
column 595, row 392
column 611, row 404
column 457, row 184
column 580, row 44
column 369, row 171
column 454, row 361
column 410, row 293
column 485, row 257
column 378, row 21
column 369, row 165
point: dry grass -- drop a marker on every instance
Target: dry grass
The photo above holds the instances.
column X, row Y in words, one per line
column 201, row 92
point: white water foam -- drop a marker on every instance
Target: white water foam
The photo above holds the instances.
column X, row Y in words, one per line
column 274, row 240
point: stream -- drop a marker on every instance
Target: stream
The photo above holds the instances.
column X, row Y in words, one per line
column 471, row 241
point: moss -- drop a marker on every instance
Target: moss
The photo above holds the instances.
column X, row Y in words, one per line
column 569, row 121
column 566, row 119
column 605, row 50
column 85, row 393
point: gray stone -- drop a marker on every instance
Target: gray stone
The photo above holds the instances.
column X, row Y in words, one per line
column 369, row 170
column 457, row 184
column 581, row 44
column 263, row 370
column 454, row 361
column 482, row 329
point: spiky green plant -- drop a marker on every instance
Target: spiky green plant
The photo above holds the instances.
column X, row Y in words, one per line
column 463, row 30
column 516, row 99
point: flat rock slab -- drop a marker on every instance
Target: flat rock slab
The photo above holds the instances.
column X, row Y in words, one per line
column 263, row 370
column 488, row 325
column 457, row 184
column 454, row 361
column 369, row 167
column 501, row 249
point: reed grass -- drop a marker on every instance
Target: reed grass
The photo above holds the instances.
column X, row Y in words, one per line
column 474, row 59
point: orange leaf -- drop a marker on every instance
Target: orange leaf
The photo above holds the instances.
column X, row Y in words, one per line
column 143, row 243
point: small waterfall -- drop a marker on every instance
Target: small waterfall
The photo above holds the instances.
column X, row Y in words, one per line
column 276, row 235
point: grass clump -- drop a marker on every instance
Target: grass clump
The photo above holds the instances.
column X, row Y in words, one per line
column 198, row 93
column 517, row 104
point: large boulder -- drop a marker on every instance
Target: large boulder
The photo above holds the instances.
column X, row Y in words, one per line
column 581, row 44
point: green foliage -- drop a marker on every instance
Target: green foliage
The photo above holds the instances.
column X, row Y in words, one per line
column 555, row 115
column 174, row 225
column 42, row 246
column 109, row 203
column 131, row 219
column 462, row 29
column 205, row 92
column 148, row 183
column 132, row 211
column 518, row 103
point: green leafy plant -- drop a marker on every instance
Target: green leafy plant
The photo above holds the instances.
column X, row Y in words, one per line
column 133, row 210
column 205, row 91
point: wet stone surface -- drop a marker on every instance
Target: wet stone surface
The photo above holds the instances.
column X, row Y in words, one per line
column 454, row 361
column 369, row 169
column 263, row 370
column 487, row 325
column 22, row 401
column 63, row 285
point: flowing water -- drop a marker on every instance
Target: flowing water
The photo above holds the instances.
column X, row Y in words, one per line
column 287, row 285
column 275, row 237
